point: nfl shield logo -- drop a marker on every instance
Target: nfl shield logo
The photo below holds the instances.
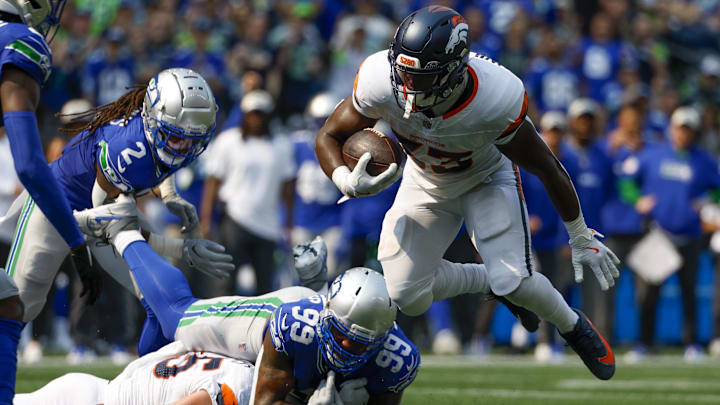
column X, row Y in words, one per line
column 427, row 124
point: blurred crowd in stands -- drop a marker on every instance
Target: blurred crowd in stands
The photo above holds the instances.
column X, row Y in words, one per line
column 626, row 93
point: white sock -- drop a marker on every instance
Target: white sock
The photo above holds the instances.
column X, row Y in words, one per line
column 454, row 279
column 537, row 294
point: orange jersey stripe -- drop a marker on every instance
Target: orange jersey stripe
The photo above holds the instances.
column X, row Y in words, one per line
column 515, row 124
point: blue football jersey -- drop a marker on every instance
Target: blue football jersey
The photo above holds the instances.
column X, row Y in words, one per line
column 24, row 47
column 122, row 153
column 315, row 194
column 293, row 331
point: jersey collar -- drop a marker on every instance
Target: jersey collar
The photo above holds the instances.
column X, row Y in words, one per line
column 459, row 108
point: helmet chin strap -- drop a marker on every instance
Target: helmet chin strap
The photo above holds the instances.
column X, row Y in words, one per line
column 409, row 105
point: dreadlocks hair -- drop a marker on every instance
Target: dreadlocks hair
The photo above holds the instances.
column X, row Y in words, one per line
column 122, row 108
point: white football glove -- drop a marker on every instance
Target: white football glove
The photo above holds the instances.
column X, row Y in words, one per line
column 178, row 206
column 353, row 392
column 588, row 251
column 208, row 257
column 310, row 261
column 325, row 393
column 108, row 220
column 358, row 183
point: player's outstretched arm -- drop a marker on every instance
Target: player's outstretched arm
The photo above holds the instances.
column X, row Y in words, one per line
column 529, row 151
column 274, row 376
column 20, row 93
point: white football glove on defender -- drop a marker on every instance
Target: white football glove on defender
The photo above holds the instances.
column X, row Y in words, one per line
column 358, row 183
column 325, row 393
column 178, row 206
column 310, row 261
column 108, row 220
column 353, row 392
column 587, row 250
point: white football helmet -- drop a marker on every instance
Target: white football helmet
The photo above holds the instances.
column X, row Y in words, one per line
column 320, row 108
column 39, row 14
column 358, row 308
column 179, row 116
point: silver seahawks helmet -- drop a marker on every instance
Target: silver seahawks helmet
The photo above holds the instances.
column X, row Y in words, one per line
column 179, row 116
column 42, row 15
column 358, row 309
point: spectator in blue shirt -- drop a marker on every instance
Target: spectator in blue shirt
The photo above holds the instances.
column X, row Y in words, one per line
column 109, row 70
column 622, row 224
column 666, row 183
column 548, row 234
column 593, row 183
column 601, row 57
column 551, row 82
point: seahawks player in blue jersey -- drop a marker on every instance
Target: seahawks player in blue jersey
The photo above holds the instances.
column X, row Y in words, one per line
column 131, row 145
column 26, row 62
column 350, row 335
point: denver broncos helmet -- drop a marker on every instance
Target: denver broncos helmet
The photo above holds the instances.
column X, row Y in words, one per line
column 428, row 57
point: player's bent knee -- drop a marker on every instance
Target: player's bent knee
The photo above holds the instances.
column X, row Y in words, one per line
column 412, row 304
column 12, row 308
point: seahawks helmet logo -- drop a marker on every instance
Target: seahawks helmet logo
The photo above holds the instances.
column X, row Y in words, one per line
column 459, row 34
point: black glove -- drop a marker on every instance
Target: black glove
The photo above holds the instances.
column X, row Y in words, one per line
column 88, row 270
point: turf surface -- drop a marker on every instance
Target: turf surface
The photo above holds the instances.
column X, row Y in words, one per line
column 508, row 380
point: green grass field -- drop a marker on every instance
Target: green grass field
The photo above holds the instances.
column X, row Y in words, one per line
column 499, row 379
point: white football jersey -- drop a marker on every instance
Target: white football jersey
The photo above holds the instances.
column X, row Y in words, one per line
column 233, row 326
column 172, row 373
column 452, row 153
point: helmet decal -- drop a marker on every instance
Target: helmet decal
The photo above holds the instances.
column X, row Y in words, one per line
column 459, row 34
column 335, row 286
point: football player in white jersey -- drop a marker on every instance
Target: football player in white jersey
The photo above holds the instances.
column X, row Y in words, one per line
column 461, row 118
column 171, row 375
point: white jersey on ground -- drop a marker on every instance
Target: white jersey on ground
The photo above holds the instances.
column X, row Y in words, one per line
column 233, row 326
column 161, row 377
column 172, row 373
column 455, row 152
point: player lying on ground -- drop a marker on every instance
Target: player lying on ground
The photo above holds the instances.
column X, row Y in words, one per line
column 461, row 118
column 171, row 375
column 235, row 326
column 133, row 144
column 26, row 63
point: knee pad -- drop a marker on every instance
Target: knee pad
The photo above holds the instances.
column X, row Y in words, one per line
column 12, row 308
column 411, row 301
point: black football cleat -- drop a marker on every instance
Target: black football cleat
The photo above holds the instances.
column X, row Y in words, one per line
column 592, row 348
column 527, row 318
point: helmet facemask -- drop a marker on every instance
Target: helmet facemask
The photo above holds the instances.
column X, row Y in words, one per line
column 418, row 90
column 42, row 15
column 364, row 344
column 175, row 146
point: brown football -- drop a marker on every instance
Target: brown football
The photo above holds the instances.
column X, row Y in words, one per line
column 384, row 150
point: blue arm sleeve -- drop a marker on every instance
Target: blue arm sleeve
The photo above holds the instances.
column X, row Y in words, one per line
column 164, row 288
column 35, row 175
